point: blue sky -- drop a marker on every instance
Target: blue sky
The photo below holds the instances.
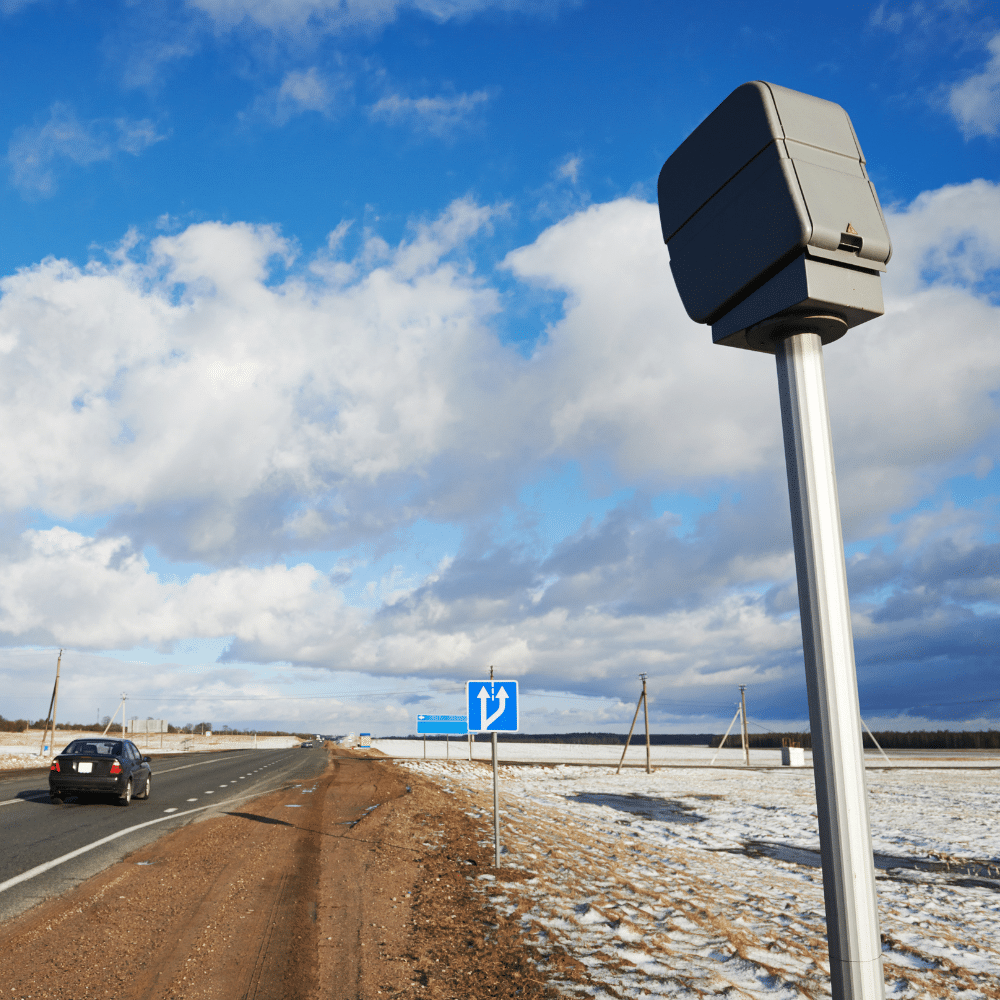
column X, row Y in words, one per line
column 343, row 360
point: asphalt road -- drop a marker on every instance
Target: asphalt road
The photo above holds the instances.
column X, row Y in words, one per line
column 36, row 833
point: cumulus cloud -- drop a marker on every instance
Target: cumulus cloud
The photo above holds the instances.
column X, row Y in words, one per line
column 439, row 116
column 106, row 597
column 218, row 396
column 34, row 151
column 975, row 102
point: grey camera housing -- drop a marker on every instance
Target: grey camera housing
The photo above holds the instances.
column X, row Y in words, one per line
column 768, row 213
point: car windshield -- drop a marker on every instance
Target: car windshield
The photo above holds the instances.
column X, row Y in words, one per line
column 97, row 748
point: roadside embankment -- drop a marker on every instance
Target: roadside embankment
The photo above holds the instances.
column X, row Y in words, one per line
column 352, row 886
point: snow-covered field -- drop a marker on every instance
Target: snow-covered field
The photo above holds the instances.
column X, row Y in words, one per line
column 649, row 882
column 19, row 750
column 663, row 756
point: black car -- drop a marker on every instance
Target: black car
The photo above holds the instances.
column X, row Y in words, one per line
column 103, row 765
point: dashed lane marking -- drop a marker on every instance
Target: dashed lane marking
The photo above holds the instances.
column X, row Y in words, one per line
column 55, row 862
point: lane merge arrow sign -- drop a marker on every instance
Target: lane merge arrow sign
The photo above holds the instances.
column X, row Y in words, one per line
column 492, row 706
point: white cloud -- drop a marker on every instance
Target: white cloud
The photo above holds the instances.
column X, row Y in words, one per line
column 945, row 237
column 299, row 92
column 215, row 397
column 975, row 102
column 188, row 384
column 440, row 116
column 207, row 404
column 33, row 152
column 65, row 589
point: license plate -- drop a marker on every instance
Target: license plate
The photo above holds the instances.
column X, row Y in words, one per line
column 85, row 767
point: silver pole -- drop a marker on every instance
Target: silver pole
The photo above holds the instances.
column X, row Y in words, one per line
column 828, row 647
column 496, row 807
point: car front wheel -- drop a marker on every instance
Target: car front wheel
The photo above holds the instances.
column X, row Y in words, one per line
column 126, row 796
column 145, row 788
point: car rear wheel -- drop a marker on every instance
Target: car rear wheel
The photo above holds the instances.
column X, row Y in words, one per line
column 55, row 799
column 126, row 796
column 145, row 788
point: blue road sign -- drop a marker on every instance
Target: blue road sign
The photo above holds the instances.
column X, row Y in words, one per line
column 492, row 706
column 365, row 741
column 442, row 725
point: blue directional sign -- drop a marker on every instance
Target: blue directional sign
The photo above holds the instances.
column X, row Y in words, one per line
column 492, row 706
column 442, row 725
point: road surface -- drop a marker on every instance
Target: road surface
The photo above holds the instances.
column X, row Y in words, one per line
column 35, row 833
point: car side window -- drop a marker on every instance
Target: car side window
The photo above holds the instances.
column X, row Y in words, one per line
column 132, row 752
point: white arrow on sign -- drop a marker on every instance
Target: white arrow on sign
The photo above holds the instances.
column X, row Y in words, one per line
column 483, row 698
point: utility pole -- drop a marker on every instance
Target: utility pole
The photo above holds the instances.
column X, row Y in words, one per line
column 645, row 711
column 743, row 712
column 53, row 704
column 628, row 739
column 121, row 705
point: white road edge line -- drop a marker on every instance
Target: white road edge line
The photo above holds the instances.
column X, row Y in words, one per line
column 27, row 798
column 55, row 862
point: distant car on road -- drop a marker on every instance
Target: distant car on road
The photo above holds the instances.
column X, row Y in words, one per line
column 102, row 765
column 303, row 746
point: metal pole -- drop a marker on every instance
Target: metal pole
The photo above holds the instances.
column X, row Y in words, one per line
column 645, row 711
column 638, row 705
column 828, row 649
column 743, row 727
column 496, row 807
column 425, row 748
column 470, row 746
column 447, row 747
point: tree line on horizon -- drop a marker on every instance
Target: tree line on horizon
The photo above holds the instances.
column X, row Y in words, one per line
column 921, row 739
column 23, row 725
column 918, row 739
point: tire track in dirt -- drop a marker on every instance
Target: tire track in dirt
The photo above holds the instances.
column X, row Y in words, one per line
column 360, row 891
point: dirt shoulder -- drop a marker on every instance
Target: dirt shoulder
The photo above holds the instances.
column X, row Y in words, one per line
column 358, row 885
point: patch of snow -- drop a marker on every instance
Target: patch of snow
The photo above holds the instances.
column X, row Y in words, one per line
column 645, row 879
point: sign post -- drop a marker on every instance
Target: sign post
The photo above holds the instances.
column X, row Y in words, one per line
column 493, row 708
column 777, row 240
